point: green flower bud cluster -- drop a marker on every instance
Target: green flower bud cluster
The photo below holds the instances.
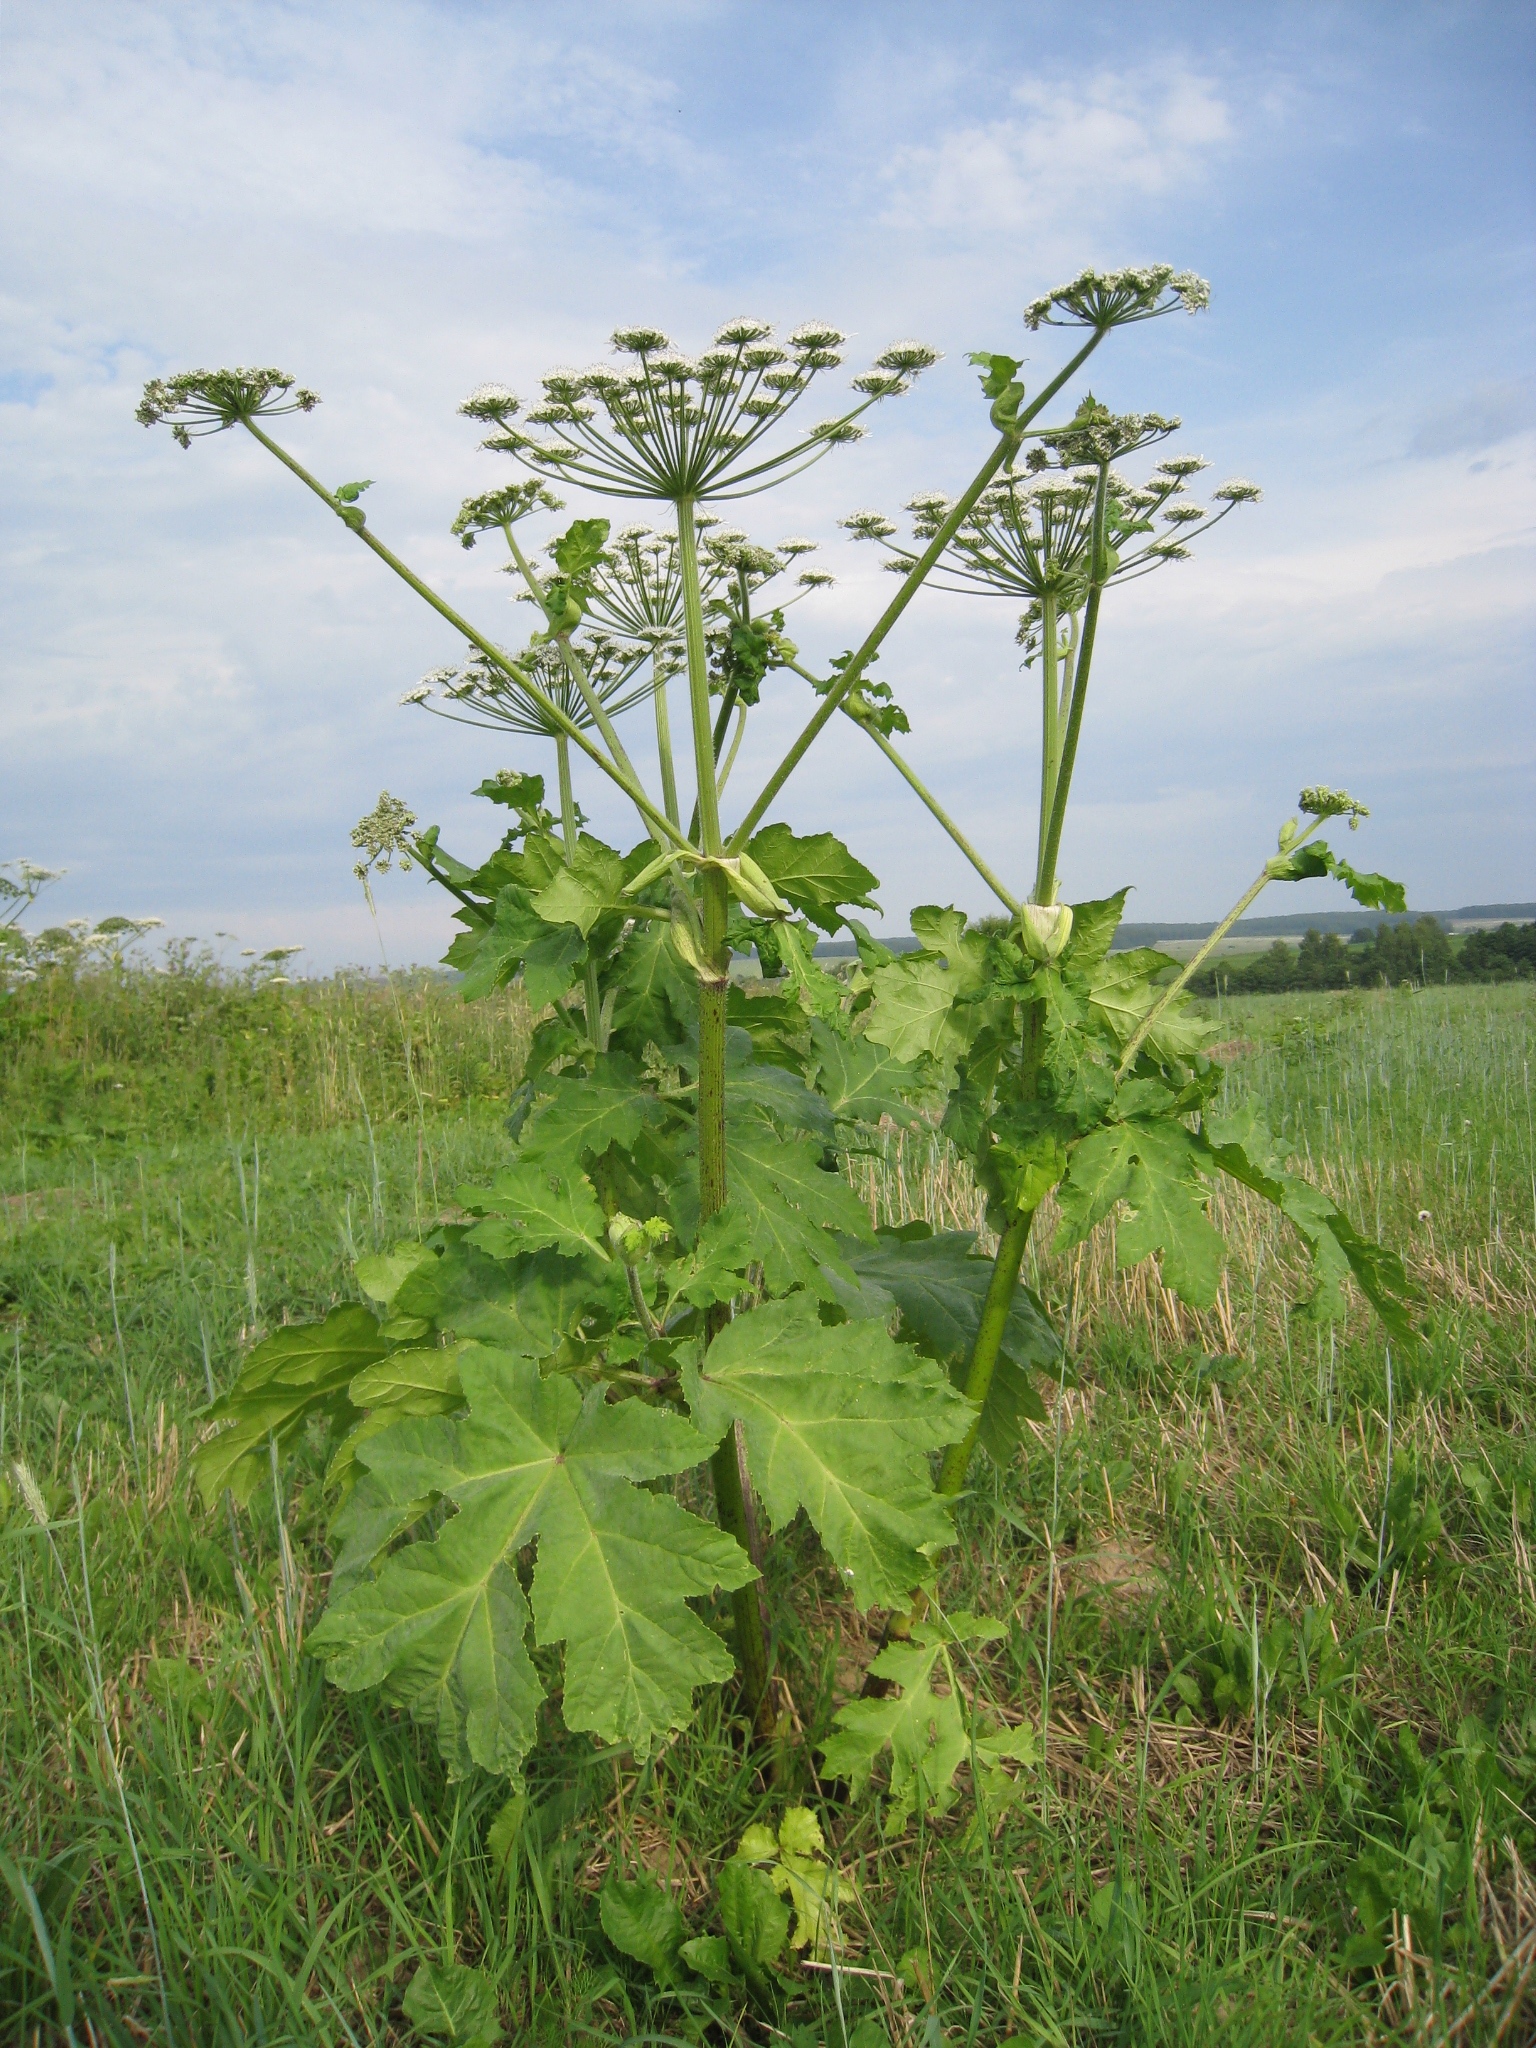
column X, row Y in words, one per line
column 198, row 402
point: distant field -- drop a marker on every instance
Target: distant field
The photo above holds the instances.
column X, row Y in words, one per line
column 1283, row 1657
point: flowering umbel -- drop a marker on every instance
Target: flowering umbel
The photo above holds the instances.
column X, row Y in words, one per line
column 198, row 402
column 384, row 833
column 1114, row 298
column 480, row 693
column 664, row 425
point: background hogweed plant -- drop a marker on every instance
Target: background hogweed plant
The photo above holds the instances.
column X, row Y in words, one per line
column 671, row 1271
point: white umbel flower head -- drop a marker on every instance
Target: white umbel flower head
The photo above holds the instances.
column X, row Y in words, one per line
column 490, row 402
column 1114, row 298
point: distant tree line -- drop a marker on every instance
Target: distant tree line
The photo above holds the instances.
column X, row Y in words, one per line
column 1419, row 953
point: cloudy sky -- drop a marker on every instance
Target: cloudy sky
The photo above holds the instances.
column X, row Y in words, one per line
column 201, row 669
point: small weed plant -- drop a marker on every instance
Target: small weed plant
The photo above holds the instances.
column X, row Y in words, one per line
column 566, row 1425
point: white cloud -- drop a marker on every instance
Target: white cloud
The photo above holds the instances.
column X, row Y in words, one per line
column 202, row 668
column 1072, row 156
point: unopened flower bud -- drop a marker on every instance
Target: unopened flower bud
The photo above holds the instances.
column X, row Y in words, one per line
column 1045, row 929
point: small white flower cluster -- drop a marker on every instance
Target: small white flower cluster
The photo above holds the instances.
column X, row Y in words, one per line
column 1031, row 535
column 502, row 508
column 384, row 834
column 1319, row 802
column 1114, row 298
column 198, row 402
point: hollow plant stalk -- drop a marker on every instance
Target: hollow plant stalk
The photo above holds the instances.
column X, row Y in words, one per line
column 664, row 740
column 735, row 1508
column 572, row 840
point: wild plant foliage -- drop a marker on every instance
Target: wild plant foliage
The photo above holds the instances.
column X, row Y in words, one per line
column 671, row 1274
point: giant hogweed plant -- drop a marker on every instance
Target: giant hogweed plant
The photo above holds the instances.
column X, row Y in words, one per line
column 671, row 1272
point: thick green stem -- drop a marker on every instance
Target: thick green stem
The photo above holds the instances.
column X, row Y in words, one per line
column 572, row 840
column 1049, row 723
column 625, row 780
column 732, row 750
column 995, row 1311
column 664, row 742
column 1005, row 450
column 734, row 1505
column 698, row 679
column 1045, row 880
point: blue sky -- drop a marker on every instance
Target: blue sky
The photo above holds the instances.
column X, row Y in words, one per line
column 201, row 671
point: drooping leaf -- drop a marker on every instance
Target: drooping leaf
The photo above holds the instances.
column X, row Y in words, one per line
column 821, row 993
column 450, row 2002
column 299, row 1372
column 1241, row 1147
column 838, row 1422
column 441, row 1627
column 817, row 874
column 413, row 1382
column 1374, row 892
column 1317, row 859
column 939, row 1285
column 924, row 1729
column 531, row 1206
column 643, row 1920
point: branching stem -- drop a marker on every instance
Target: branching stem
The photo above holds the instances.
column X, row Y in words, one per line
column 910, row 776
column 625, row 781
column 1250, row 895
column 912, row 582
column 1045, row 880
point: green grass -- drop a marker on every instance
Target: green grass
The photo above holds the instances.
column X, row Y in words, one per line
column 301, row 1851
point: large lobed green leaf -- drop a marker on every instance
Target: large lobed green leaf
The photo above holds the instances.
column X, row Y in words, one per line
column 1153, row 1167
column 839, row 1422
column 924, row 1730
column 817, row 875
column 534, row 1205
column 791, row 1205
column 939, row 1283
column 441, row 1628
column 300, row 1372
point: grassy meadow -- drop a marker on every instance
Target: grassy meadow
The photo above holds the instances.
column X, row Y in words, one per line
column 1276, row 1626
